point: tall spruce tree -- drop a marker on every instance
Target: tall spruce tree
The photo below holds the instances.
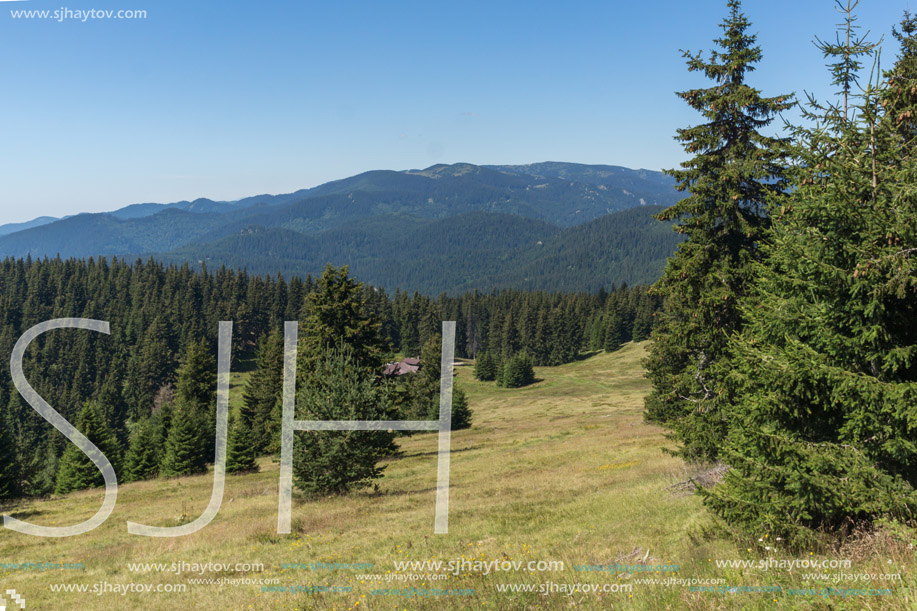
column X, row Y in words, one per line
column 336, row 313
column 197, row 378
column 275, row 428
column 43, row 480
column 262, row 392
column 614, row 323
column 826, row 369
column 643, row 320
column 419, row 396
column 9, row 466
column 734, row 171
column 900, row 98
column 196, row 390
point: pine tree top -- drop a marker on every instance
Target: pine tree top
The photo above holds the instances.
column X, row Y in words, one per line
column 734, row 167
column 337, row 312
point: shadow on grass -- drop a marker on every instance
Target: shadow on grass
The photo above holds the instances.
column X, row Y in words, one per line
column 19, row 515
column 396, row 493
column 524, row 386
column 434, row 453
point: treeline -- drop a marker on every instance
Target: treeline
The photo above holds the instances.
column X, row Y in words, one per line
column 147, row 391
column 552, row 328
column 542, row 332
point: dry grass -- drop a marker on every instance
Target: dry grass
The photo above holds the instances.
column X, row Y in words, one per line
column 563, row 470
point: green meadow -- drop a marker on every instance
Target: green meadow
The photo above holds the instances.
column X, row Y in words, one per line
column 564, row 471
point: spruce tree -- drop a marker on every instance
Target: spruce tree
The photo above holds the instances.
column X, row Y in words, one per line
column 510, row 342
column 262, row 392
column 485, row 369
column 419, row 397
column 593, row 335
column 144, row 451
column 197, row 377
column 461, row 412
column 185, row 449
column 43, row 479
column 197, row 389
column 240, row 453
column 163, row 420
column 733, row 173
column 76, row 471
column 431, row 364
column 614, row 327
column 643, row 320
column 275, row 429
column 900, row 98
column 518, row 371
column 564, row 343
column 335, row 462
column 9, row 466
column 826, row 374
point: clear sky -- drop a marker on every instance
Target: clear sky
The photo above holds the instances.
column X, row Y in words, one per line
column 228, row 99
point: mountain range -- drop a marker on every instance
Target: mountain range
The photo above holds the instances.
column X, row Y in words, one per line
column 551, row 226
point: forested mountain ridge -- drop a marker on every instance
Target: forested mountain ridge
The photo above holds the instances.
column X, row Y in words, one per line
column 472, row 251
column 655, row 187
column 444, row 228
column 37, row 222
column 562, row 194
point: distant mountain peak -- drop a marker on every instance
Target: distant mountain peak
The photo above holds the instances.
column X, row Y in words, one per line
column 442, row 169
column 14, row 227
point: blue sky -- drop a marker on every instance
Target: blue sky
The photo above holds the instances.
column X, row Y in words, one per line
column 229, row 99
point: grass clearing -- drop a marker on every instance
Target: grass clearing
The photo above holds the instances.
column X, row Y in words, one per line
column 564, row 470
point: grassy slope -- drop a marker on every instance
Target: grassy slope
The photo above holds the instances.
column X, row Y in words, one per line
column 563, row 470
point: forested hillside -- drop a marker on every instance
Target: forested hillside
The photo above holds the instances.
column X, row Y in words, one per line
column 478, row 250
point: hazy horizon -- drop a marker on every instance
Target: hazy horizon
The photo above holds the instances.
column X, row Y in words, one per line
column 4, row 221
